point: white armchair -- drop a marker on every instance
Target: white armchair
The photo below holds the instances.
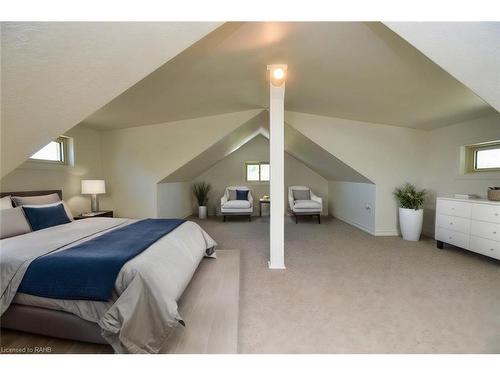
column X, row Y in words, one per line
column 303, row 202
column 230, row 206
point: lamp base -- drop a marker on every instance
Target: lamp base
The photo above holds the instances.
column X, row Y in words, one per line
column 94, row 203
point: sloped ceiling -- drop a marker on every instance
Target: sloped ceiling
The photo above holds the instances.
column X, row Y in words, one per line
column 318, row 159
column 470, row 51
column 55, row 74
column 226, row 146
column 296, row 144
column 352, row 70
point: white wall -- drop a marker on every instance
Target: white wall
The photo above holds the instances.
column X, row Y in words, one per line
column 443, row 174
column 354, row 203
column 136, row 159
column 386, row 155
column 132, row 161
column 40, row 176
column 231, row 171
column 390, row 156
column 174, row 199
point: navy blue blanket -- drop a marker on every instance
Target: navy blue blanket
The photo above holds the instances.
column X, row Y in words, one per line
column 89, row 270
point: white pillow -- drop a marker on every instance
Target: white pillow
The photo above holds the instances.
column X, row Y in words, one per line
column 13, row 223
column 5, row 203
column 66, row 208
column 36, row 199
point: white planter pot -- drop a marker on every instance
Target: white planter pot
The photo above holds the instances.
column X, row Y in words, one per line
column 410, row 222
column 202, row 212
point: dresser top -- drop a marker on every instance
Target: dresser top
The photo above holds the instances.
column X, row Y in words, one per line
column 472, row 200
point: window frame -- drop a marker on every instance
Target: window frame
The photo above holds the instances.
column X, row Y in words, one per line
column 64, row 153
column 259, row 163
column 471, row 156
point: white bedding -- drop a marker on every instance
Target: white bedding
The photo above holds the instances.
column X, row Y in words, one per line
column 143, row 311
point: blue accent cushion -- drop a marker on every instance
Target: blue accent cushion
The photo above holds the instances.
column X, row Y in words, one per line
column 46, row 217
column 241, row 195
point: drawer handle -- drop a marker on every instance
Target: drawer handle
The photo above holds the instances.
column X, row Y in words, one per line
column 450, row 238
column 496, row 213
column 451, row 223
column 494, row 232
column 492, row 249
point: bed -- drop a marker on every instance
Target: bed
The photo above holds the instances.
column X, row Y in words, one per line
column 142, row 311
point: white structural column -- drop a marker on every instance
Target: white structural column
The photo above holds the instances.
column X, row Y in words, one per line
column 277, row 162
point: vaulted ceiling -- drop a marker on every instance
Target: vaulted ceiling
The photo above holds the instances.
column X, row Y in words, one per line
column 108, row 75
column 296, row 144
column 352, row 70
column 257, row 125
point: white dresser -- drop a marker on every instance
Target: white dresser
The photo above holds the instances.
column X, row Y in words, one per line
column 473, row 224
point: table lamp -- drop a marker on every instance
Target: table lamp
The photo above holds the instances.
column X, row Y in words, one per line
column 94, row 187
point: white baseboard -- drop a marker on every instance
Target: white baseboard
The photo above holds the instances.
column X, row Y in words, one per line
column 366, row 229
column 387, row 233
column 357, row 225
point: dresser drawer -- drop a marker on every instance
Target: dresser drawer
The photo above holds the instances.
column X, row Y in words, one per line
column 455, row 223
column 453, row 208
column 486, row 212
column 453, row 238
column 486, row 230
column 485, row 247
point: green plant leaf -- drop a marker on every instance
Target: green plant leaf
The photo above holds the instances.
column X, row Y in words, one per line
column 409, row 197
column 200, row 191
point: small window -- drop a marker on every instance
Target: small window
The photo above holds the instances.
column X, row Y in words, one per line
column 483, row 157
column 257, row 171
column 55, row 152
column 264, row 172
column 488, row 158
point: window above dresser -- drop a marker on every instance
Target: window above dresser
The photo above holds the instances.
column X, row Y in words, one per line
column 482, row 157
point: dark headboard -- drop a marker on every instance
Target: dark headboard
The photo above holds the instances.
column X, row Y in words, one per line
column 31, row 193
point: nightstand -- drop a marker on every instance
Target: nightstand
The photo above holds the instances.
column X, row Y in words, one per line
column 87, row 215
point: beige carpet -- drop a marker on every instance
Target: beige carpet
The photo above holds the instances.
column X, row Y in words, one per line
column 209, row 306
column 345, row 291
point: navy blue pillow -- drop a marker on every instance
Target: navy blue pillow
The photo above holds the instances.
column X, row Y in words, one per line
column 241, row 195
column 46, row 217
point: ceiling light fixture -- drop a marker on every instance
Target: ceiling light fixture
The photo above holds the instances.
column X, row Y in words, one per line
column 277, row 74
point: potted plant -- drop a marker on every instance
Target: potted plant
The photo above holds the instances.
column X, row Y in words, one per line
column 411, row 212
column 200, row 190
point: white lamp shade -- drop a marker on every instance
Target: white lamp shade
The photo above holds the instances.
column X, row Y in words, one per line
column 93, row 187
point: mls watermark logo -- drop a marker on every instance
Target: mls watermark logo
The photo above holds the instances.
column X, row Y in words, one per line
column 42, row 349
column 26, row 350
